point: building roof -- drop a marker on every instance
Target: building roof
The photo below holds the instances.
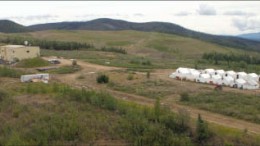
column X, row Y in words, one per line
column 16, row 46
column 13, row 46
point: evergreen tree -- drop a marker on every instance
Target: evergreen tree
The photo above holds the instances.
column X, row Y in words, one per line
column 202, row 131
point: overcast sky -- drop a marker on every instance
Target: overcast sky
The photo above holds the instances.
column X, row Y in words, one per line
column 223, row 17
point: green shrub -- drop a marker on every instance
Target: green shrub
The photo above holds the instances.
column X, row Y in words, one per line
column 184, row 96
column 102, row 79
column 80, row 77
column 130, row 77
column 74, row 62
column 34, row 62
column 202, row 130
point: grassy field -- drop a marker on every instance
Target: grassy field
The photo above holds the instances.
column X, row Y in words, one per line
column 231, row 104
column 55, row 114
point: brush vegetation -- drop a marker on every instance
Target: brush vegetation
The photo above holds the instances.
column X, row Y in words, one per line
column 56, row 114
column 236, row 105
column 33, row 62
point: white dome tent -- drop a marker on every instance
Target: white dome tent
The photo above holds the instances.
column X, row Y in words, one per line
column 220, row 72
column 240, row 83
column 231, row 73
column 216, row 79
column 229, row 78
column 251, row 85
column 241, row 75
column 253, row 76
column 193, row 75
column 181, row 73
column 209, row 71
column 203, row 78
column 228, row 81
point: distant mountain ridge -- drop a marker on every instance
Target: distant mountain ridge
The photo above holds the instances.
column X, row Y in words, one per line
column 8, row 26
column 251, row 36
column 106, row 24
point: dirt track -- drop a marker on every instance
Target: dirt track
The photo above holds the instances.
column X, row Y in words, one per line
column 163, row 74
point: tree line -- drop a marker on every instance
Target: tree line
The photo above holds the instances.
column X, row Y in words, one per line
column 59, row 45
column 47, row 44
column 216, row 57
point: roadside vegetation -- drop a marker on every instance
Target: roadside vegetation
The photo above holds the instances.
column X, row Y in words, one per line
column 65, row 69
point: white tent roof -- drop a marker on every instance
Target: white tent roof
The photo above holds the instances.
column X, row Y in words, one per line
column 252, row 82
column 205, row 76
column 231, row 72
column 195, row 72
column 254, row 75
column 220, row 71
column 240, row 81
column 183, row 70
column 209, row 70
column 228, row 78
column 216, row 77
column 242, row 73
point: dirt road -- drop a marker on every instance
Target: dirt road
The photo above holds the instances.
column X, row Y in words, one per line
column 163, row 74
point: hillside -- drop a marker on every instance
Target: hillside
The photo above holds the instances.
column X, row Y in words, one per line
column 162, row 50
column 7, row 26
column 152, row 44
column 163, row 27
column 251, row 36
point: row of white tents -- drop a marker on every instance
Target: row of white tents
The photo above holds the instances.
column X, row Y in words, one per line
column 230, row 78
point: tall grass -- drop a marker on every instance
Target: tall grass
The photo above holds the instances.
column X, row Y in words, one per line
column 9, row 72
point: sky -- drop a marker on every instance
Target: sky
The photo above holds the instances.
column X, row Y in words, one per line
column 214, row 17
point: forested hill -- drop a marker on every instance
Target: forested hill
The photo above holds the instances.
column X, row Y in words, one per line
column 251, row 36
column 8, row 26
column 163, row 27
column 106, row 24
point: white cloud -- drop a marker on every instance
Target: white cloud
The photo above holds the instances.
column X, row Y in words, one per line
column 205, row 9
column 139, row 14
column 247, row 23
column 183, row 13
column 239, row 13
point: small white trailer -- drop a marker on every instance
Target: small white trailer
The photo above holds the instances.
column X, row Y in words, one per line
column 29, row 78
